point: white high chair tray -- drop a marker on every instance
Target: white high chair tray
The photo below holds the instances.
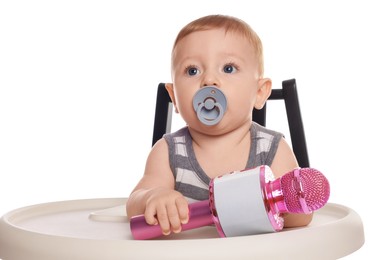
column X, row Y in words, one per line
column 99, row 229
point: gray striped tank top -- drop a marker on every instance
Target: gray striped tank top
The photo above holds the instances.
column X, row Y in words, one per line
column 192, row 181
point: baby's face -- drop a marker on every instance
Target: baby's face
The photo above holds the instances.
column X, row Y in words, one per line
column 214, row 58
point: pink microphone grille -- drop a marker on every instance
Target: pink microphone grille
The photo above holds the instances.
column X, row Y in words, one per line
column 310, row 185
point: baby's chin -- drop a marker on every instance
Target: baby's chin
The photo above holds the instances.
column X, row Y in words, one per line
column 220, row 129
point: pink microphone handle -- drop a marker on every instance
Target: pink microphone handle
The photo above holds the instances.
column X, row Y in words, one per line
column 200, row 216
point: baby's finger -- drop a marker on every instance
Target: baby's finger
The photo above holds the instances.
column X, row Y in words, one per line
column 150, row 216
column 182, row 208
column 174, row 219
column 163, row 220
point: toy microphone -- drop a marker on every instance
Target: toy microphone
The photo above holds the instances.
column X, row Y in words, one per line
column 250, row 202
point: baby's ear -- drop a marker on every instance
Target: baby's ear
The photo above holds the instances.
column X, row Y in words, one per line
column 169, row 88
column 264, row 89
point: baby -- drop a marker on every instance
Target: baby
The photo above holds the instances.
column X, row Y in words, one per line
column 225, row 55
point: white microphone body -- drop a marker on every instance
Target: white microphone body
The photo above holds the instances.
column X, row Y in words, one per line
column 239, row 203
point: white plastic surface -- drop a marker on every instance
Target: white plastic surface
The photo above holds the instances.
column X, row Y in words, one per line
column 98, row 229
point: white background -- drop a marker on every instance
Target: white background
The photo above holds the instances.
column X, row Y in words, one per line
column 78, row 84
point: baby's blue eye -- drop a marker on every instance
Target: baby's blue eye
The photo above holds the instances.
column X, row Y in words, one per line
column 229, row 68
column 192, row 71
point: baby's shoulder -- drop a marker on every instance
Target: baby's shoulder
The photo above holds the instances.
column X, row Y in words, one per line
column 261, row 131
column 181, row 132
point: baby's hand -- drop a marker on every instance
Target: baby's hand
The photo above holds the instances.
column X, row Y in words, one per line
column 168, row 208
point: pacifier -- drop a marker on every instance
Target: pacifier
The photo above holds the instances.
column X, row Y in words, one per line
column 210, row 105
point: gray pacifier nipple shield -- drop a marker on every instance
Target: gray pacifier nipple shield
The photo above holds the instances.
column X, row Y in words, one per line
column 210, row 105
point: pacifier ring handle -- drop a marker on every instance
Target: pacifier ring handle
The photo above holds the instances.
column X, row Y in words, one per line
column 209, row 121
column 210, row 105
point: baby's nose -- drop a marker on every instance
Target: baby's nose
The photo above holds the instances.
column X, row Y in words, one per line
column 210, row 79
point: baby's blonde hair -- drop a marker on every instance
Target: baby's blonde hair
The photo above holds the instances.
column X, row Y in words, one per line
column 230, row 24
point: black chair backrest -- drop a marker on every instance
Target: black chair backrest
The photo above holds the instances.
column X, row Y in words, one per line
column 288, row 93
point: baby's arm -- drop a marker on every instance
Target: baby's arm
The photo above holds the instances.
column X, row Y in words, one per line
column 285, row 162
column 155, row 197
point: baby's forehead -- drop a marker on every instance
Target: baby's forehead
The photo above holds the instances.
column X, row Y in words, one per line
column 218, row 39
column 246, row 36
column 219, row 31
column 232, row 42
column 214, row 36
